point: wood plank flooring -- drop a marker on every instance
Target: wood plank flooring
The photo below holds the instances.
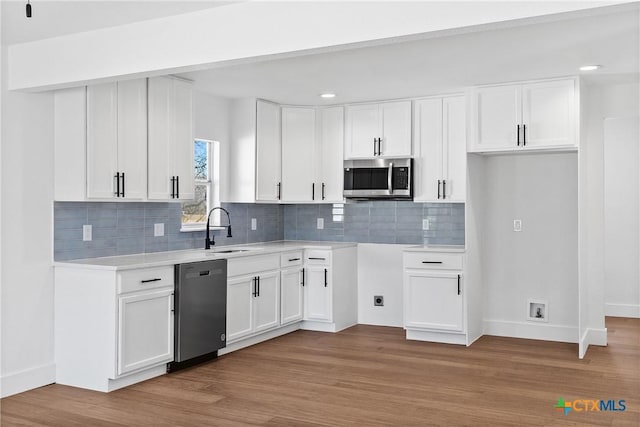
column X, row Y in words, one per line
column 364, row 376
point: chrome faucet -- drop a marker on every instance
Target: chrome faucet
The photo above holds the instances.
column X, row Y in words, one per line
column 210, row 240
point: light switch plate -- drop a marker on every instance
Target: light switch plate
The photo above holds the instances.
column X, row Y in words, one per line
column 517, row 225
column 87, row 233
column 320, row 223
column 425, row 224
column 158, row 229
column 254, row 224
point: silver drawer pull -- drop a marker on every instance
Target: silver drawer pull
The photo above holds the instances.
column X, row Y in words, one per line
column 432, row 262
column 150, row 280
column 319, row 259
column 294, row 259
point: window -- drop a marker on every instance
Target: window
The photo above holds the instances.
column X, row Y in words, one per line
column 206, row 156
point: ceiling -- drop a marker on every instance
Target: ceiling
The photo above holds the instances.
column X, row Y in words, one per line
column 52, row 18
column 441, row 64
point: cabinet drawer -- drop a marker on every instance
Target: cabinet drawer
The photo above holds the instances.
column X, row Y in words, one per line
column 145, row 278
column 317, row 257
column 291, row 259
column 433, row 261
column 252, row 264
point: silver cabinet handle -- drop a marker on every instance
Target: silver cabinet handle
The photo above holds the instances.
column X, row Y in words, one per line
column 390, row 178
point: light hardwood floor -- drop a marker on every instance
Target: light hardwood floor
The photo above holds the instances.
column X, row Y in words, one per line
column 365, row 376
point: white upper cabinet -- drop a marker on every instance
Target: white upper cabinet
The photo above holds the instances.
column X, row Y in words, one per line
column 312, row 147
column 441, row 151
column 170, row 147
column 528, row 116
column 330, row 176
column 268, row 152
column 117, row 140
column 378, row 130
column 548, row 114
column 298, row 162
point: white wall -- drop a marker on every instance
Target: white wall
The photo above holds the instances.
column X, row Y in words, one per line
column 380, row 273
column 606, row 98
column 541, row 261
column 227, row 35
column 622, row 216
column 210, row 117
column 26, row 245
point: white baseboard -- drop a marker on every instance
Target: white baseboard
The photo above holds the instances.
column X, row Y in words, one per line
column 591, row 336
column 249, row 341
column 19, row 382
column 532, row 331
column 622, row 310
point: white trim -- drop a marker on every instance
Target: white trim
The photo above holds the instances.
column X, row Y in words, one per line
column 28, row 379
column 532, row 331
column 437, row 337
column 591, row 336
column 622, row 310
column 256, row 339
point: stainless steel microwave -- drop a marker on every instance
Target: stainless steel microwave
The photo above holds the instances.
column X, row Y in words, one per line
column 378, row 179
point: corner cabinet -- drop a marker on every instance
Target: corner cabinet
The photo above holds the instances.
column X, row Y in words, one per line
column 540, row 115
column 434, row 297
column 171, row 175
column 440, row 163
column 268, row 152
column 112, row 328
column 378, row 130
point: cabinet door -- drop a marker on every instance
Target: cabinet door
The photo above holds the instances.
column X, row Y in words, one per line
column 145, row 330
column 132, row 137
column 548, row 110
column 428, row 172
column 298, row 142
column 160, row 102
column 102, row 140
column 182, row 144
column 317, row 294
column 362, row 127
column 432, row 301
column 266, row 308
column 291, row 295
column 331, row 174
column 497, row 113
column 268, row 152
column 239, row 307
column 396, row 129
column 454, row 143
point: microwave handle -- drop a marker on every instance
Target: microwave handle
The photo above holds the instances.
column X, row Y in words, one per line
column 390, row 178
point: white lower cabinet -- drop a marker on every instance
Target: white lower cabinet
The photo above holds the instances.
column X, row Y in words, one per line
column 145, row 329
column 317, row 294
column 434, row 296
column 292, row 284
column 112, row 328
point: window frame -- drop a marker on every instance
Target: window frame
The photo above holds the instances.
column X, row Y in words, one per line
column 212, row 186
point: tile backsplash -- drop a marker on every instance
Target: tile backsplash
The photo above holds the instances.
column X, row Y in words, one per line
column 122, row 228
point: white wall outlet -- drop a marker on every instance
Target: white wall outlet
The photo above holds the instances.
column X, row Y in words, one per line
column 158, row 230
column 425, row 224
column 254, row 224
column 517, row 225
column 87, row 233
column 320, row 223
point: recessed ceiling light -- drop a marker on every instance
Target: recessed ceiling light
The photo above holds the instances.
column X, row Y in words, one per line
column 328, row 95
column 590, row 67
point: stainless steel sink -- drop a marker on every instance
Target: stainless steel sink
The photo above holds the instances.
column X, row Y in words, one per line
column 229, row 251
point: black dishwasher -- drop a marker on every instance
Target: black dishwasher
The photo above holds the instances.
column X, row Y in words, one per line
column 200, row 311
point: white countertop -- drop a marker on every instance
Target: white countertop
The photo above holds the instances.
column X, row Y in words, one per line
column 160, row 259
column 436, row 248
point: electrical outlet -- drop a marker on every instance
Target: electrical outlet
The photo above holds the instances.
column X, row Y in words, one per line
column 320, row 223
column 87, row 233
column 425, row 224
column 158, row 230
column 517, row 225
column 254, row 224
